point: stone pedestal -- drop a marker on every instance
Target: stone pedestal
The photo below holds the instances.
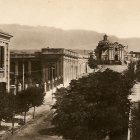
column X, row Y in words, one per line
column 19, row 87
column 26, row 86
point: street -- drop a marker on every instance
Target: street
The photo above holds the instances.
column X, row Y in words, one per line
column 38, row 129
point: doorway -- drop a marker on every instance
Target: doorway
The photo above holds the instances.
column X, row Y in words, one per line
column 116, row 57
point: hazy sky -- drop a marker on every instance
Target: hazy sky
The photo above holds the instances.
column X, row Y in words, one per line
column 116, row 17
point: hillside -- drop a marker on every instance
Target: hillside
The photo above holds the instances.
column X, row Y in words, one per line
column 29, row 37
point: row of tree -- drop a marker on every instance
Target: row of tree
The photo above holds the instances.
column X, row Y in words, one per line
column 134, row 75
column 133, row 72
column 11, row 104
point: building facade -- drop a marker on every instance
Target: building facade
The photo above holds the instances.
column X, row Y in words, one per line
column 4, row 62
column 50, row 66
column 133, row 56
column 110, row 53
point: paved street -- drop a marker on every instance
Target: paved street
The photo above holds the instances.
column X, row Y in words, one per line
column 38, row 129
column 118, row 68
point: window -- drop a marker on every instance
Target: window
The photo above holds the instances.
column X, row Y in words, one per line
column 52, row 72
column 116, row 49
column 1, row 56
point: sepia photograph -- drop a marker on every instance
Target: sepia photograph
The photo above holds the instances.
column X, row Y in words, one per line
column 70, row 70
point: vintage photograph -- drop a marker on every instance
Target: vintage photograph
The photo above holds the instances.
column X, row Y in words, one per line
column 70, row 70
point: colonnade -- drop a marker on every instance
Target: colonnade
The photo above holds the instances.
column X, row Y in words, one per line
column 70, row 69
column 48, row 70
column 73, row 68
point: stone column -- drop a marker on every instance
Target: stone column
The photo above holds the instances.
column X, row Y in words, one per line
column 16, row 67
column 57, row 68
column 45, row 87
column 14, row 90
column 63, row 69
column 112, row 54
column 49, row 87
column 29, row 73
column 16, row 71
column 109, row 53
column 43, row 72
column 52, row 82
column 29, row 67
column 68, row 70
column 72, row 68
column 46, row 74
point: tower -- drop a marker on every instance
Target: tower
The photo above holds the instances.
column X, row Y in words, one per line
column 105, row 37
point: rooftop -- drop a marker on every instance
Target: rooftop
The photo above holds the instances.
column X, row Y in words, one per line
column 5, row 34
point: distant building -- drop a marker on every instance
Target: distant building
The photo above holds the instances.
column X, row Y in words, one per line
column 52, row 66
column 4, row 61
column 134, row 56
column 110, row 53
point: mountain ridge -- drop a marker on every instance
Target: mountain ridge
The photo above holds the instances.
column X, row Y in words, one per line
column 37, row 37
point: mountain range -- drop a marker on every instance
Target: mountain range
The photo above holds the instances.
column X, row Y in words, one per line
column 37, row 37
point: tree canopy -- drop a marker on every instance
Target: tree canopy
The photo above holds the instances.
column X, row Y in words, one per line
column 93, row 107
column 92, row 62
column 138, row 70
column 36, row 97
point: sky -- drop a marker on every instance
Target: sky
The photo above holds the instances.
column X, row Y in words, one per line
column 114, row 17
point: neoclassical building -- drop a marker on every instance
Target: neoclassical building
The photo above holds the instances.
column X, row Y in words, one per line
column 108, row 52
column 4, row 61
column 52, row 66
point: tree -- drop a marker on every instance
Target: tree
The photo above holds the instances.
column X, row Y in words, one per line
column 23, row 102
column 10, row 108
column 130, row 72
column 93, row 107
column 36, row 97
column 138, row 70
column 2, row 106
column 92, row 62
column 135, row 122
